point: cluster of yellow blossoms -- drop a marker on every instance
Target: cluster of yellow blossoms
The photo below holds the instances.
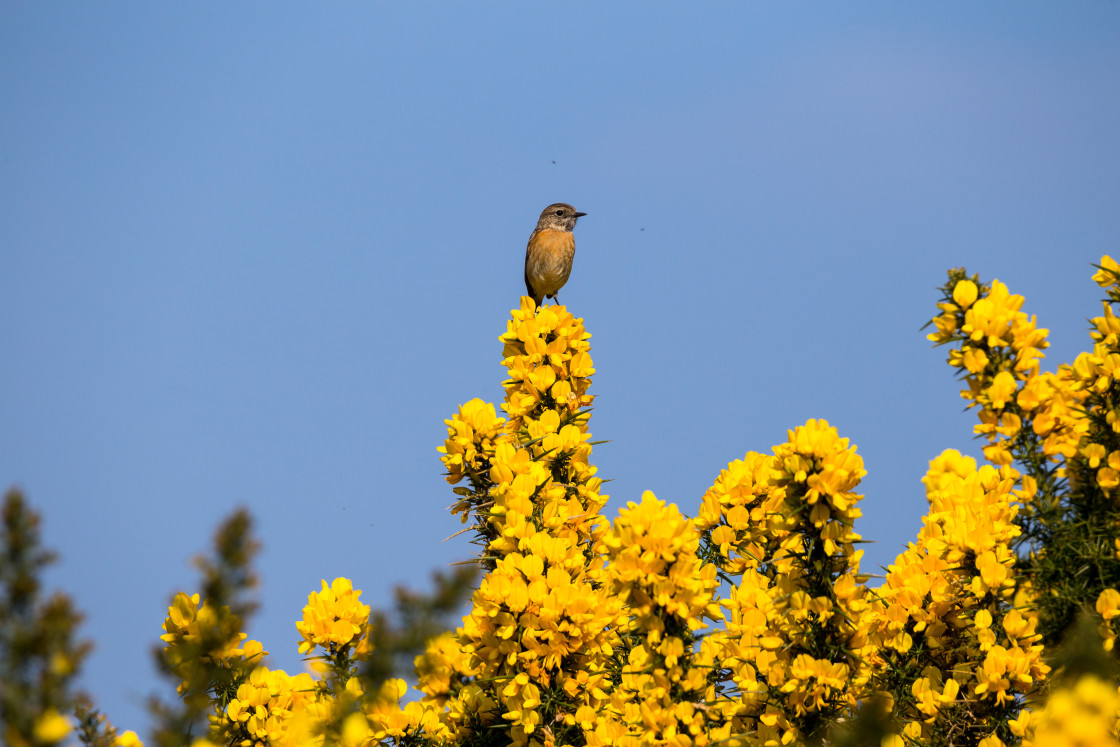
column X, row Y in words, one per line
column 1058, row 428
column 541, row 634
column 782, row 527
column 752, row 624
column 1094, row 375
column 197, row 634
column 1082, row 714
column 953, row 649
column 334, row 619
column 999, row 348
column 256, row 705
column 666, row 693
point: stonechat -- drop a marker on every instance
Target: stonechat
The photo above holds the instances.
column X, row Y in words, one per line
column 548, row 258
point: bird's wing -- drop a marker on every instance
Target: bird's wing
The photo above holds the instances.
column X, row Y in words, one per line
column 528, row 285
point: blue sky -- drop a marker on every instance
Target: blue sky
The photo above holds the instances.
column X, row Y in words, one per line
column 255, row 254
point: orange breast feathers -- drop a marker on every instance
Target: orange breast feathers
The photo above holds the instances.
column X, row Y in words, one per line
column 548, row 260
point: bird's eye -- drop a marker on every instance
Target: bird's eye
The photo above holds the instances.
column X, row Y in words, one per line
column 559, row 212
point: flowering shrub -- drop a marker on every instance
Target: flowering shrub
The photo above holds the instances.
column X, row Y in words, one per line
column 749, row 625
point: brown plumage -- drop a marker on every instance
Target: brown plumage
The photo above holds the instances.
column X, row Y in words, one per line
column 548, row 257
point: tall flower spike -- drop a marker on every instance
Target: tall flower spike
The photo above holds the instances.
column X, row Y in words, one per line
column 999, row 348
column 654, row 569
column 541, row 632
column 952, row 645
column 794, row 620
column 1060, row 429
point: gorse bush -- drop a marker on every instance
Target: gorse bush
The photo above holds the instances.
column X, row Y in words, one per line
column 750, row 624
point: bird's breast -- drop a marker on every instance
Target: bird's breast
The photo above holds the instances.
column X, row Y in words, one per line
column 551, row 242
column 549, row 259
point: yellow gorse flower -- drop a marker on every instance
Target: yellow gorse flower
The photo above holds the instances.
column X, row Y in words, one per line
column 784, row 524
column 333, row 618
column 471, row 436
column 51, row 727
column 1083, row 714
column 654, row 569
column 944, row 606
column 198, row 634
column 539, row 623
column 190, row 621
column 264, row 705
column 999, row 352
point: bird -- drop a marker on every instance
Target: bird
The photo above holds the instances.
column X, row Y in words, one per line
column 548, row 257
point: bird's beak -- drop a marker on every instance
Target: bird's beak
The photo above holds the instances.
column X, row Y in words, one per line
column 580, row 215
